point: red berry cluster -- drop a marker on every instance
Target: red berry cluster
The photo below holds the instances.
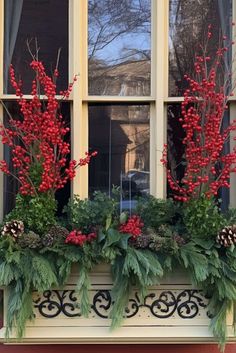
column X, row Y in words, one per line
column 38, row 138
column 76, row 237
column 208, row 166
column 133, row 226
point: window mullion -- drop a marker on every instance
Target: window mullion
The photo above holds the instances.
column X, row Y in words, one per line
column 119, row 99
column 79, row 117
column 158, row 112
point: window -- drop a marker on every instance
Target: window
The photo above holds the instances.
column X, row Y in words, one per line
column 130, row 57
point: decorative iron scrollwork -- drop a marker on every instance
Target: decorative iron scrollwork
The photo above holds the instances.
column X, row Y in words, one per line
column 185, row 304
column 102, row 303
column 55, row 302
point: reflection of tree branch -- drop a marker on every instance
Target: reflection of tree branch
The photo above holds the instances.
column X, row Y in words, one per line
column 97, row 41
column 108, row 41
column 134, row 51
column 112, row 19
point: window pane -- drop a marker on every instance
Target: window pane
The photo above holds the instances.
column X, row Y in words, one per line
column 175, row 135
column 10, row 183
column 188, row 25
column 120, row 134
column 119, row 44
column 29, row 20
column 176, row 150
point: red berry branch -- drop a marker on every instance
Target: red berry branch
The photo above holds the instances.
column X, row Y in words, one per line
column 76, row 237
column 37, row 139
column 133, row 226
column 208, row 166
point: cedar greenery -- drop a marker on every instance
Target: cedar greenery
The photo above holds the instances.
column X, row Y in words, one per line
column 210, row 267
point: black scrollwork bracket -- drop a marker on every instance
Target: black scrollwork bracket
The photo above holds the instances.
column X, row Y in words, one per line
column 185, row 304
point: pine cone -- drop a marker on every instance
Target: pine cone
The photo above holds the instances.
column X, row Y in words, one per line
column 13, row 228
column 179, row 240
column 142, row 241
column 227, row 236
column 30, row 240
column 58, row 233
column 157, row 243
column 47, row 240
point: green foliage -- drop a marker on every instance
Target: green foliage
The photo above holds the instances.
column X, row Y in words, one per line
column 202, row 218
column 171, row 237
column 230, row 216
column 193, row 260
column 133, row 268
column 82, row 289
column 120, row 293
column 156, row 212
column 31, row 271
column 84, row 214
column 37, row 213
column 113, row 237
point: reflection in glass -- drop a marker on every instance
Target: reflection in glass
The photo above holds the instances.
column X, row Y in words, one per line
column 119, row 47
column 188, row 25
column 120, row 134
column 35, row 20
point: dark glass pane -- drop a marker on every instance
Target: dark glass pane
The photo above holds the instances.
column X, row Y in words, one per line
column 119, row 47
column 27, row 20
column 120, row 134
column 188, row 25
column 10, row 183
column 176, row 158
column 175, row 135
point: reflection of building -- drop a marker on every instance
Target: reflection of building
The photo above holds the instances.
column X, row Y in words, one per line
column 120, row 134
column 126, row 79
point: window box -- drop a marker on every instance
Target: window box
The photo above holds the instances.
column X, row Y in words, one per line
column 173, row 312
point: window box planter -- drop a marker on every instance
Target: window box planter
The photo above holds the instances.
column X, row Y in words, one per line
column 173, row 312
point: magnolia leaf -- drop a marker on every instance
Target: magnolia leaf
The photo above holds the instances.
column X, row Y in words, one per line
column 113, row 237
column 123, row 242
column 232, row 247
column 101, row 236
column 108, row 221
column 123, row 217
